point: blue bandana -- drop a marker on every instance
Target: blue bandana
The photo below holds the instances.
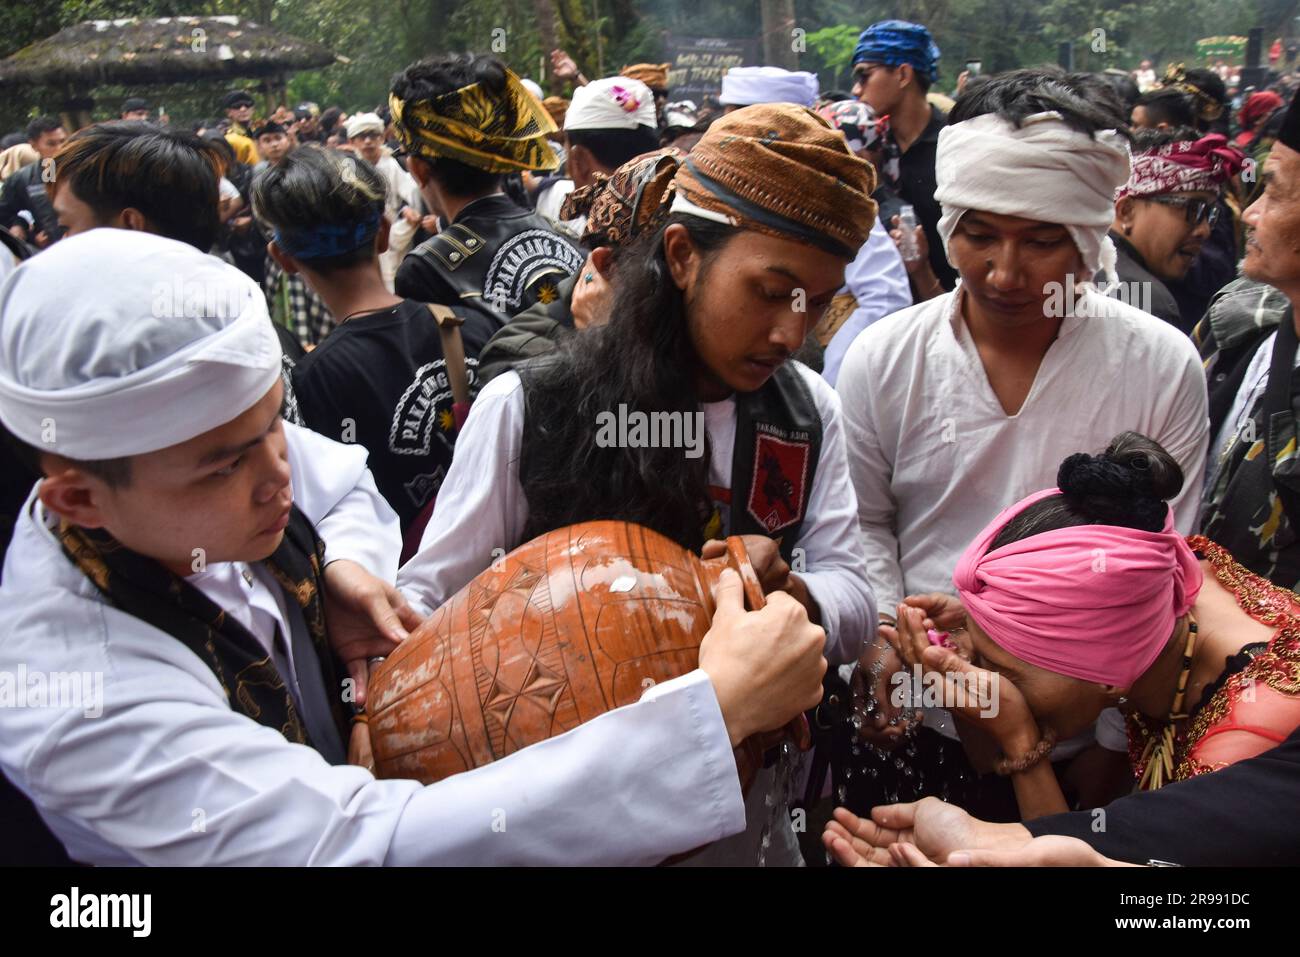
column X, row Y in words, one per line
column 326, row 241
column 893, row 42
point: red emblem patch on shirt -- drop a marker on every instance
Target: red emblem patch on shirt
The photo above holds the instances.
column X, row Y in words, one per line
column 776, row 494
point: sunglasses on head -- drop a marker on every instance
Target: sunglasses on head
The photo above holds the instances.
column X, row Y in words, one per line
column 1196, row 210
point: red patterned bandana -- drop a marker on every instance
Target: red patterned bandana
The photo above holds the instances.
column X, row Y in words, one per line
column 1183, row 166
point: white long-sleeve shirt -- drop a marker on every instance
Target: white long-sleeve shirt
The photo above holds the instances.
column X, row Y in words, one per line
column 159, row 770
column 934, row 457
column 481, row 511
column 877, row 280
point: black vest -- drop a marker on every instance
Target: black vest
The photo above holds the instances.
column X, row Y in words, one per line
column 778, row 444
column 496, row 258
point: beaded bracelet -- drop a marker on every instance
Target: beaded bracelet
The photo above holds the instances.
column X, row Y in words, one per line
column 1042, row 749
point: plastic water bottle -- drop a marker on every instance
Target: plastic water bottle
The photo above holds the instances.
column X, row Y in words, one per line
column 907, row 242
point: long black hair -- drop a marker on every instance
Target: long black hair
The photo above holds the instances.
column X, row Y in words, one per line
column 642, row 359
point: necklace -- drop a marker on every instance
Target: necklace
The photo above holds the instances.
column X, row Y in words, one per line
column 1158, row 755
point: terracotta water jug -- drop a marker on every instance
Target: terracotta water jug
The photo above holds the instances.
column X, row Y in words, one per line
column 575, row 623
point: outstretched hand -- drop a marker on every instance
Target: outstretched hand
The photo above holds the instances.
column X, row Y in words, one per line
column 932, row 827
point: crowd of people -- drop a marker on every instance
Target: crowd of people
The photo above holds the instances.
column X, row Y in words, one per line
column 998, row 389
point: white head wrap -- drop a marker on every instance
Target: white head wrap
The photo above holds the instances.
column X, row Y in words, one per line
column 364, row 123
column 747, row 85
column 612, row 103
column 116, row 343
column 1045, row 170
column 532, row 87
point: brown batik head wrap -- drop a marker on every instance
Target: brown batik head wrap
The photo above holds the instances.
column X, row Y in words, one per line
column 782, row 170
column 634, row 199
column 557, row 107
column 503, row 133
column 653, row 75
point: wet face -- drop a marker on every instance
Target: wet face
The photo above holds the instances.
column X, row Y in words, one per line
column 273, row 147
column 1066, row 705
column 750, row 304
column 1273, row 246
column 879, row 86
column 1161, row 233
column 226, row 491
column 1010, row 266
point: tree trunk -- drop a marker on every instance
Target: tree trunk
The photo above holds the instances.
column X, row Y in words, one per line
column 545, row 11
column 778, row 29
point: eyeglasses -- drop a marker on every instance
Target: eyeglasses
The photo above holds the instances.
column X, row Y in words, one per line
column 864, row 74
column 1196, row 210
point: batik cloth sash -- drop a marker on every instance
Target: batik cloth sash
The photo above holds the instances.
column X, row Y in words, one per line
column 1253, row 503
column 143, row 588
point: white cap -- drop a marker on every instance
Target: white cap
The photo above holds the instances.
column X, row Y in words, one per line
column 613, row 103
column 117, row 343
column 364, row 123
column 747, row 85
column 532, row 87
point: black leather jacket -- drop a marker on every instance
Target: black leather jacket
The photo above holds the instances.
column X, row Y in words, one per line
column 25, row 189
column 496, row 257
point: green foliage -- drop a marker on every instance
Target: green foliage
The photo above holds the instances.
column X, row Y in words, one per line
column 833, row 46
column 379, row 37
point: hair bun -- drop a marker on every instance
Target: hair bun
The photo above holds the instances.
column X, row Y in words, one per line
column 1128, row 484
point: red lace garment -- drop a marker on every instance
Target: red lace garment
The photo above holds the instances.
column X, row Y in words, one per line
column 1254, row 709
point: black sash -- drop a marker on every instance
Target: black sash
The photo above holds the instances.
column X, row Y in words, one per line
column 142, row 588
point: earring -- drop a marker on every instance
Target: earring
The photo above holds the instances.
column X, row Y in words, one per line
column 1128, row 229
column 1121, row 702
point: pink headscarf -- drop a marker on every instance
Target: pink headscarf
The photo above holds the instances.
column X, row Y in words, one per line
column 1183, row 166
column 1095, row 602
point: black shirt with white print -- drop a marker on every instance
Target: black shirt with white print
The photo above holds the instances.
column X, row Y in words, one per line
column 380, row 380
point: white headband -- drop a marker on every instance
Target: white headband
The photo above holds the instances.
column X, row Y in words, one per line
column 364, row 123
column 612, row 103
column 116, row 343
column 1045, row 170
column 748, row 85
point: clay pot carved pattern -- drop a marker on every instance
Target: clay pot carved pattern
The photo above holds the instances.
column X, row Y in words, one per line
column 568, row 626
